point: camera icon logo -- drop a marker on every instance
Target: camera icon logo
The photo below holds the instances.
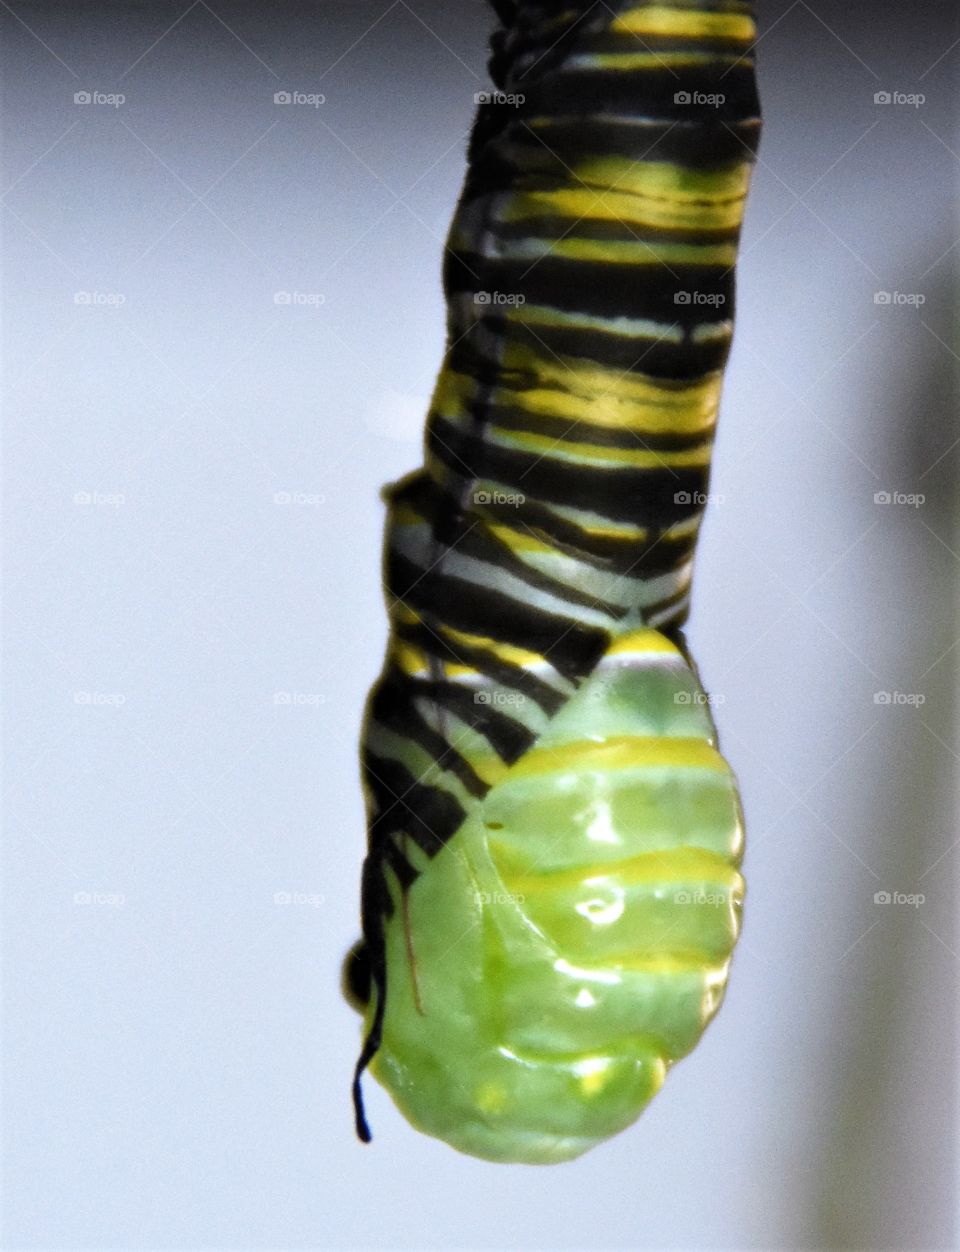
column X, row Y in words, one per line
column 881, row 97
column 681, row 97
column 282, row 97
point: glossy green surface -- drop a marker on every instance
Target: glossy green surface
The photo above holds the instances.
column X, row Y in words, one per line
column 572, row 940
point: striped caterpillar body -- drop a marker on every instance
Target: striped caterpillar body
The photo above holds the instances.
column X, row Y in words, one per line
column 551, row 893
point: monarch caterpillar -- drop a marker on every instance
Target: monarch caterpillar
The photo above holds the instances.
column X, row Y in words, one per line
column 552, row 893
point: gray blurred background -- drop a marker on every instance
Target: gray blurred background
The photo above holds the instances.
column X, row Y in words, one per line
column 222, row 322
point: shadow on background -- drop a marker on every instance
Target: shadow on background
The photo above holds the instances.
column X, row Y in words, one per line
column 890, row 1156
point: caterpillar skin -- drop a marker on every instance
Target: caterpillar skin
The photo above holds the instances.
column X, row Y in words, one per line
column 551, row 893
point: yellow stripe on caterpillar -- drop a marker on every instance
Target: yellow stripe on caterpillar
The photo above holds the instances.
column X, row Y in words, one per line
column 662, row 19
column 634, row 752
